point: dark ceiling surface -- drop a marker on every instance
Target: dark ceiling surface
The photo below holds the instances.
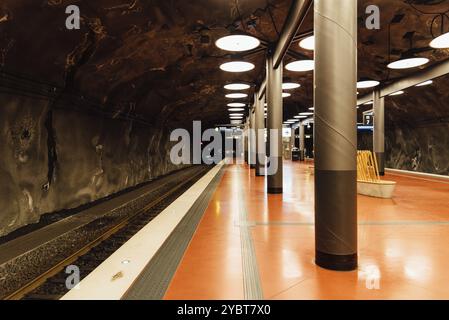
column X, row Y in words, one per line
column 157, row 59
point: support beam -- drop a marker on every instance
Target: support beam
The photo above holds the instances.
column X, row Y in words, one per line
column 297, row 13
column 274, row 126
column 438, row 70
column 335, row 98
column 379, row 130
column 260, row 139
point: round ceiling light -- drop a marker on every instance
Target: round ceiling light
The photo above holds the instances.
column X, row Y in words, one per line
column 408, row 63
column 312, row 108
column 236, row 105
column 441, row 42
column 426, row 83
column 300, row 117
column 367, row 84
column 237, row 66
column 306, row 114
column 308, row 43
column 397, row 93
column 236, row 95
column 236, row 114
column 290, row 86
column 237, row 43
column 237, row 86
column 286, row 94
column 301, row 66
column 368, row 103
column 236, row 109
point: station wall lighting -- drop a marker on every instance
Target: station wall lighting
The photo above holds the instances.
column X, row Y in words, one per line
column 236, row 96
column 286, row 94
column 301, row 66
column 290, row 86
column 236, row 109
column 237, row 66
column 237, row 43
column 308, row 43
column 426, row 83
column 237, row 86
column 236, row 105
column 398, row 93
column 441, row 42
column 408, row 63
column 367, row 84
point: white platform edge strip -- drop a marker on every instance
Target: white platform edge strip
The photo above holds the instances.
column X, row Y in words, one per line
column 418, row 174
column 112, row 278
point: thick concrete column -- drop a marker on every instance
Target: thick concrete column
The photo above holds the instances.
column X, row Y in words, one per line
column 274, row 126
column 302, row 141
column 335, row 98
column 260, row 127
column 379, row 131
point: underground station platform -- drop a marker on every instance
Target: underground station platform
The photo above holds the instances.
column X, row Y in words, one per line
column 255, row 152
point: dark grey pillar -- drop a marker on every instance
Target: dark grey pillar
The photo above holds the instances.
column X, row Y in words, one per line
column 335, row 98
column 246, row 142
column 260, row 127
column 275, row 125
column 379, row 131
column 302, row 141
column 252, row 140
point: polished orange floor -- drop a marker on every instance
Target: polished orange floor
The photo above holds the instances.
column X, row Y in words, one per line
column 403, row 242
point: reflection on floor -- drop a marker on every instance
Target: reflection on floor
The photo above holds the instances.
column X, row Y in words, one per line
column 253, row 245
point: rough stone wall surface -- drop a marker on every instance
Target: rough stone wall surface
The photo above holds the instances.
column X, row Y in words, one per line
column 91, row 157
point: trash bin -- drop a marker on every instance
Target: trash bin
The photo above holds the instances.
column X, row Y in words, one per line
column 296, row 154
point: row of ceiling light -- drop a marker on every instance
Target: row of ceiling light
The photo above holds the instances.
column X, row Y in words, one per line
column 241, row 43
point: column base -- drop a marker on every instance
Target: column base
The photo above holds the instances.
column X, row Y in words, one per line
column 336, row 262
column 252, row 166
column 275, row 190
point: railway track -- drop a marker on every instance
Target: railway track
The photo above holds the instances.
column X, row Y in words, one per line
column 51, row 285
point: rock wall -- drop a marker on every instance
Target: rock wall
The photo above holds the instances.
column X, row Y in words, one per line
column 56, row 159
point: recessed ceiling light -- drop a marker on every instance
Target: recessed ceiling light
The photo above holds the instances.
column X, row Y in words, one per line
column 368, row 103
column 236, row 109
column 286, row 94
column 301, row 66
column 426, row 83
column 308, row 43
column 306, row 114
column 236, row 105
column 236, row 114
column 236, row 95
column 441, row 42
column 312, row 109
column 290, row 86
column 237, row 66
column 237, row 86
column 408, row 63
column 237, row 43
column 300, row 117
column 367, row 84
column 397, row 93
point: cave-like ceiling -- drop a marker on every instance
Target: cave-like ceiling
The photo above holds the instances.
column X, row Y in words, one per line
column 156, row 60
